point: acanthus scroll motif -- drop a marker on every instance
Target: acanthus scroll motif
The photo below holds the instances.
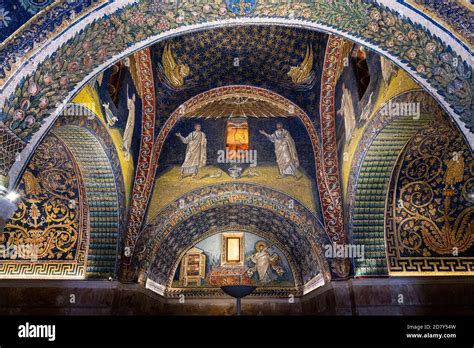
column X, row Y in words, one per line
column 435, row 215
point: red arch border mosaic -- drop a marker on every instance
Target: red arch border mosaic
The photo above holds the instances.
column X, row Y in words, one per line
column 145, row 170
column 332, row 201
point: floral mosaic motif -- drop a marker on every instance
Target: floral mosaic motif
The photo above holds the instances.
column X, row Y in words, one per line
column 426, row 55
column 47, row 224
column 430, row 207
column 39, row 27
column 38, row 94
column 34, row 6
column 4, row 18
column 242, row 8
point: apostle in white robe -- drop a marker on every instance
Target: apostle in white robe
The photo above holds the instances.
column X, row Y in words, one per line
column 195, row 152
column 128, row 132
column 347, row 111
column 285, row 150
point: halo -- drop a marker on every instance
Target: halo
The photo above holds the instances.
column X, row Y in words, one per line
column 260, row 243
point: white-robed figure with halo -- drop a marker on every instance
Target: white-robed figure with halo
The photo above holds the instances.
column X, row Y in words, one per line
column 264, row 262
column 195, row 152
column 285, row 150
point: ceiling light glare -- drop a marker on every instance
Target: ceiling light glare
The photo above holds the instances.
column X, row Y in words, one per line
column 12, row 196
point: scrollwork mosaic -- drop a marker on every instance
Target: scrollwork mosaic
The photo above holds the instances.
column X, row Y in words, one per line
column 430, row 226
column 144, row 175
column 50, row 225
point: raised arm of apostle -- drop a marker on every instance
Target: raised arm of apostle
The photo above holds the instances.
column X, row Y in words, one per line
column 270, row 137
column 183, row 139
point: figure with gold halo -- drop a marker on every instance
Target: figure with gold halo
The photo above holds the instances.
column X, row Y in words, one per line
column 196, row 154
column 265, row 263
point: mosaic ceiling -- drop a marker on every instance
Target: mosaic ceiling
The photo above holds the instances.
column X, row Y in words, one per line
column 248, row 55
column 15, row 13
column 436, row 59
column 287, row 61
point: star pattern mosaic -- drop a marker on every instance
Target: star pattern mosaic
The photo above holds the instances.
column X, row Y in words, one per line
column 259, row 56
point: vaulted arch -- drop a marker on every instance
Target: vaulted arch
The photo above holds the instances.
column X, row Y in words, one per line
column 142, row 190
column 112, row 32
column 211, row 208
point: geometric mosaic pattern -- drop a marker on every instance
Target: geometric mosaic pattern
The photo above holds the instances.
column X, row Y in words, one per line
column 84, row 118
column 101, row 195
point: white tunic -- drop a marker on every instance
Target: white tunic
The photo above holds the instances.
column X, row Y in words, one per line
column 285, row 151
column 195, row 152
